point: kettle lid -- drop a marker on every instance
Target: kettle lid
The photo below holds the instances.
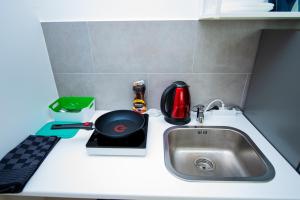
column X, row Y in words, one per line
column 180, row 84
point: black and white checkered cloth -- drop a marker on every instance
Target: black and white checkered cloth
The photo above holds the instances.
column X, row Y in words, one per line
column 20, row 163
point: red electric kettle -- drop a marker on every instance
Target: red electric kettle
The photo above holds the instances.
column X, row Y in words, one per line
column 175, row 103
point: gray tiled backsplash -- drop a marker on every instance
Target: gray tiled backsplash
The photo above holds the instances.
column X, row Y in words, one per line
column 226, row 47
column 112, row 91
column 143, row 47
column 102, row 59
column 72, row 84
column 68, row 47
column 203, row 87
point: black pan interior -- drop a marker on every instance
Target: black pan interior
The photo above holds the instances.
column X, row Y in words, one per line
column 120, row 123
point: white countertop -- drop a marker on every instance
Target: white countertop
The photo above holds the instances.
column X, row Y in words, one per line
column 69, row 172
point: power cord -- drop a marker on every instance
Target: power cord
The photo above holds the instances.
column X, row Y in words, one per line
column 208, row 107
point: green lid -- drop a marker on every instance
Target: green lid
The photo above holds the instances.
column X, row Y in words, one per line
column 71, row 104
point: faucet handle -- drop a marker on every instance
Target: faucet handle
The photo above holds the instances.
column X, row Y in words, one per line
column 198, row 108
column 200, row 112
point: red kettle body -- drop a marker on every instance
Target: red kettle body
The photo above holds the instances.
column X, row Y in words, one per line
column 175, row 103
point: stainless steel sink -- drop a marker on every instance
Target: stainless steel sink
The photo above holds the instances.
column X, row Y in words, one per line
column 214, row 153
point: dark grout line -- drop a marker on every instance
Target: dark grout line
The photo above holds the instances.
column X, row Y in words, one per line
column 164, row 73
column 244, row 94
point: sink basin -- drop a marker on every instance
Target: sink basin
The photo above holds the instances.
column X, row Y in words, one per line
column 214, row 153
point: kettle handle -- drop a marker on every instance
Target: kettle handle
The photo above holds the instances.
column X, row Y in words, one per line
column 164, row 99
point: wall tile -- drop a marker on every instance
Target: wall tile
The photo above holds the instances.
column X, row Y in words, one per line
column 70, row 84
column 246, row 87
column 139, row 47
column 282, row 24
column 112, row 91
column 68, row 46
column 203, row 87
column 226, row 46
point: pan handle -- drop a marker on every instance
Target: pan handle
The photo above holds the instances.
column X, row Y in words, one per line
column 86, row 126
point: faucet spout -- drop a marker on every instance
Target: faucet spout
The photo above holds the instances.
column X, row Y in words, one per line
column 200, row 117
column 200, row 113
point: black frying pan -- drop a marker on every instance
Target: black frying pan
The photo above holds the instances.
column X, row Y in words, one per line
column 115, row 124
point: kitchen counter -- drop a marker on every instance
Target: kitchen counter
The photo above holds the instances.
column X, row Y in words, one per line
column 69, row 172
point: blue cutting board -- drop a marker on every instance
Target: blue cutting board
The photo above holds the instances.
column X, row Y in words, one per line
column 63, row 133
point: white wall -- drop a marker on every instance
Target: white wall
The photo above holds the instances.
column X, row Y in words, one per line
column 27, row 85
column 119, row 10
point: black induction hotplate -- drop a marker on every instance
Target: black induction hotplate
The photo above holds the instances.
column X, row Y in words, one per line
column 132, row 146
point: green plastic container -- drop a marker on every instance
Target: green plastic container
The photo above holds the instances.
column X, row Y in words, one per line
column 73, row 109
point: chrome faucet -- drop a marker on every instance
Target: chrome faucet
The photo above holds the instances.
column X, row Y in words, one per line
column 200, row 112
column 201, row 109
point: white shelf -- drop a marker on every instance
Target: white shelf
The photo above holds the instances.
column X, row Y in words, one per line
column 251, row 16
column 212, row 10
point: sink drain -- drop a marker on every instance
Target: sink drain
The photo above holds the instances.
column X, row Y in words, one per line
column 204, row 164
